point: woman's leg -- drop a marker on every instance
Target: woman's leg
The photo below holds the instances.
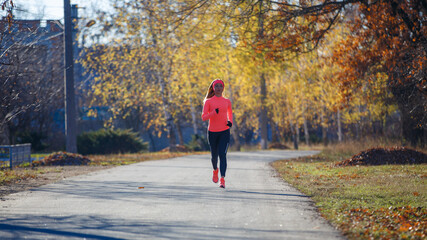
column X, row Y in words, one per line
column 224, row 141
column 213, row 144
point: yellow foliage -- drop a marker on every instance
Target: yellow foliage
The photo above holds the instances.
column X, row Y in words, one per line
column 151, row 72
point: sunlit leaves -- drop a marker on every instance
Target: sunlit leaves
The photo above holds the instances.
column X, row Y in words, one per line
column 157, row 43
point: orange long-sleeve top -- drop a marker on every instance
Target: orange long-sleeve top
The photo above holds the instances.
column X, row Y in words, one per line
column 217, row 121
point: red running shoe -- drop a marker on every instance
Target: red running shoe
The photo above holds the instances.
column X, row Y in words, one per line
column 215, row 176
column 222, row 183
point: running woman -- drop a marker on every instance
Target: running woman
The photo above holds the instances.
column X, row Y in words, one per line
column 217, row 109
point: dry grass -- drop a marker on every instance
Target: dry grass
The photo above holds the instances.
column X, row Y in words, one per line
column 26, row 172
column 349, row 148
column 20, row 174
column 125, row 159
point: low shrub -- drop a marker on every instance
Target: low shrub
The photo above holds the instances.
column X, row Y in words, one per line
column 178, row 148
column 107, row 141
column 277, row 145
column 198, row 143
column 36, row 139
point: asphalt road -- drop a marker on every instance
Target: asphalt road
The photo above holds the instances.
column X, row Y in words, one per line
column 178, row 201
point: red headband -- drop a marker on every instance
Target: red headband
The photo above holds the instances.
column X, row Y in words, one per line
column 217, row 81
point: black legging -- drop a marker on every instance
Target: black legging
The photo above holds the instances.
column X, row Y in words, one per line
column 218, row 142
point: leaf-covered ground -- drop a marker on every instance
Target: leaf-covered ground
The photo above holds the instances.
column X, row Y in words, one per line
column 382, row 156
column 387, row 223
column 364, row 202
column 62, row 159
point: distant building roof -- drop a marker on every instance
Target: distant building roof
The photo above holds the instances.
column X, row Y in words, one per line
column 37, row 32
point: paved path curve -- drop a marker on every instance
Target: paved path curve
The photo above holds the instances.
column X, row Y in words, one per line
column 178, row 201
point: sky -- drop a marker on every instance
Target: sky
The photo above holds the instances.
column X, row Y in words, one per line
column 54, row 10
column 51, row 9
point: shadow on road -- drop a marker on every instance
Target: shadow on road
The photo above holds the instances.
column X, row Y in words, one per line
column 97, row 227
column 128, row 191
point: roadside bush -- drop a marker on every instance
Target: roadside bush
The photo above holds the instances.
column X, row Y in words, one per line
column 36, row 139
column 198, row 143
column 106, row 141
column 277, row 145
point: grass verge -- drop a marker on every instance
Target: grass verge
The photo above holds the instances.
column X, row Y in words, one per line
column 364, row 202
column 125, row 159
column 26, row 172
column 7, row 175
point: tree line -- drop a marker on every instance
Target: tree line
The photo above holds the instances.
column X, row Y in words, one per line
column 297, row 69
column 343, row 65
column 31, row 81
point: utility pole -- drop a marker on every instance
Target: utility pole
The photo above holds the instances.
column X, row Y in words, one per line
column 263, row 87
column 70, row 103
column 76, row 56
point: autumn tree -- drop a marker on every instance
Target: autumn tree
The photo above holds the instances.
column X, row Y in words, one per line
column 202, row 57
column 388, row 36
column 137, row 70
column 276, row 58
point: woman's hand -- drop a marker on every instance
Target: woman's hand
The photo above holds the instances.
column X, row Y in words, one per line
column 230, row 124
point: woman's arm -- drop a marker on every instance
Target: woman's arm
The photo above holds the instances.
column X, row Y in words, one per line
column 206, row 114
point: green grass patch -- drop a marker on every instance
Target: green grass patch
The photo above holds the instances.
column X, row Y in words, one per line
column 379, row 202
column 39, row 156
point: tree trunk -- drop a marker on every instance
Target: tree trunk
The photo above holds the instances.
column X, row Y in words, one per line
column 193, row 118
column 274, row 135
column 306, row 134
column 324, row 129
column 153, row 143
column 359, row 124
column 4, row 136
column 357, row 129
column 169, row 119
column 234, row 128
column 412, row 104
column 163, row 88
column 171, row 132
column 292, row 127
column 235, row 134
column 12, row 134
column 339, row 126
column 172, row 136
column 180, row 136
column 296, row 136
column 263, row 117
